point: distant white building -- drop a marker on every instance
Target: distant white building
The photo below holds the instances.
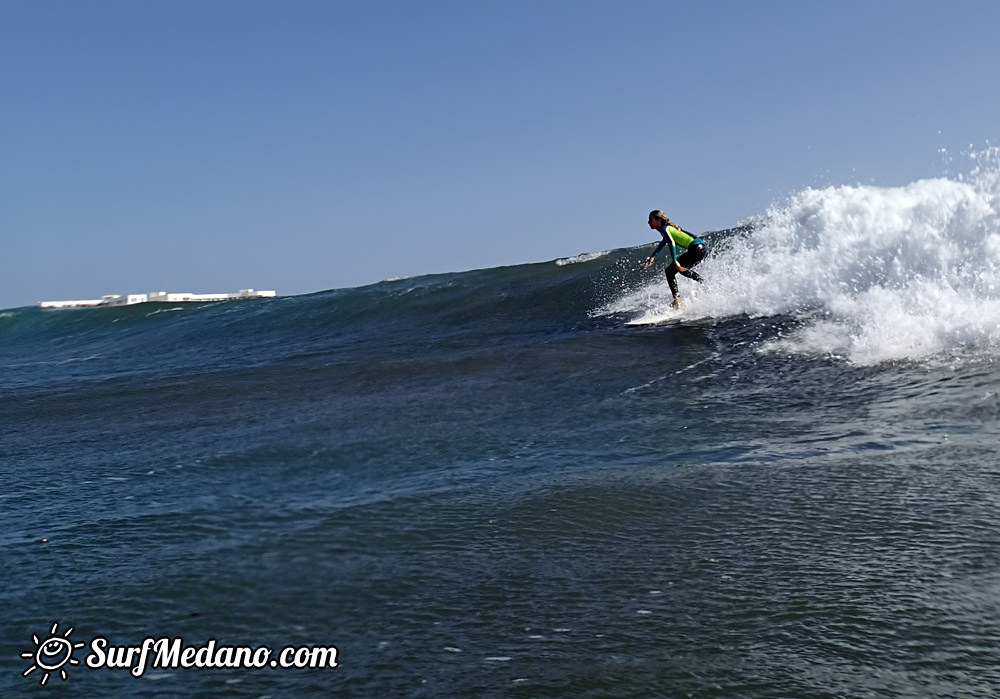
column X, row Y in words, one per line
column 124, row 300
column 86, row 303
column 157, row 297
column 180, row 297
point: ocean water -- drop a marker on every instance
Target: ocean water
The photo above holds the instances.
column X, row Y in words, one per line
column 484, row 484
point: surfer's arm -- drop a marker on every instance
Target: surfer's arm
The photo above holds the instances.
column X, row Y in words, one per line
column 668, row 243
column 649, row 260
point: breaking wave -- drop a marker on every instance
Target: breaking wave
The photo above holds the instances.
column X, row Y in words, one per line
column 871, row 274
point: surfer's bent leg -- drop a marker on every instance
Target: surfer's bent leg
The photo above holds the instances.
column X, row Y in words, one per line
column 671, row 271
column 692, row 275
column 694, row 255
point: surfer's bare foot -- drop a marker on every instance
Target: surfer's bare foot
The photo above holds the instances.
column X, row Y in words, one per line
column 676, row 303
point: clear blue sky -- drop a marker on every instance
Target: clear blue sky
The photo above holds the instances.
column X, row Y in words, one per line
column 208, row 145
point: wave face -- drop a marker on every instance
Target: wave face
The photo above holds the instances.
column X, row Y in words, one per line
column 868, row 274
column 484, row 483
column 872, row 274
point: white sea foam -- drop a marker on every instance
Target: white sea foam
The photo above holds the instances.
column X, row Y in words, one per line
column 875, row 274
column 584, row 257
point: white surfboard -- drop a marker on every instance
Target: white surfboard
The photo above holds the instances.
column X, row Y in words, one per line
column 654, row 319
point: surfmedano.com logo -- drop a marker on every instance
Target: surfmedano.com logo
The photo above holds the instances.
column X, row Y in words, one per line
column 53, row 654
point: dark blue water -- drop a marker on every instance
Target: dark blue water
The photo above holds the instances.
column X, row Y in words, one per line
column 485, row 484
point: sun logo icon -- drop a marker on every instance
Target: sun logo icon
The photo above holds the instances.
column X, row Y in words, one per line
column 52, row 654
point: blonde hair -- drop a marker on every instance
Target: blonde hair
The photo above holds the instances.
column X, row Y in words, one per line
column 657, row 214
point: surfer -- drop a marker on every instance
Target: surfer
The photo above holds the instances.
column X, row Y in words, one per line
column 674, row 235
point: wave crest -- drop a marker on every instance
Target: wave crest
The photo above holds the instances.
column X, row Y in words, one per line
column 874, row 274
